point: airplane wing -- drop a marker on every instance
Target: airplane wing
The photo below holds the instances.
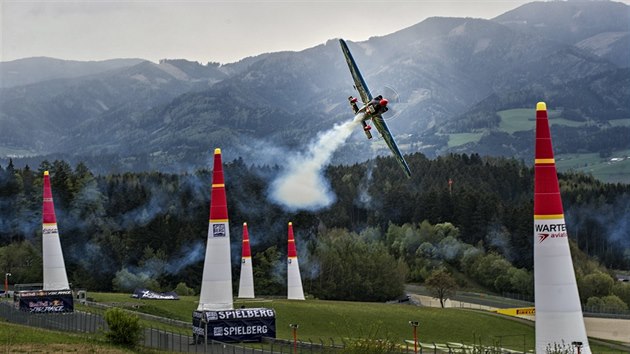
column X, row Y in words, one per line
column 359, row 83
column 380, row 125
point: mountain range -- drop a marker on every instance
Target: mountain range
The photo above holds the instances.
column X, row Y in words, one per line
column 446, row 77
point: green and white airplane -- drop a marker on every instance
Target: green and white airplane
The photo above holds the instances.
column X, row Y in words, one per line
column 373, row 108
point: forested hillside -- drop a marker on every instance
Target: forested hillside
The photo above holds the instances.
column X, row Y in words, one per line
column 122, row 230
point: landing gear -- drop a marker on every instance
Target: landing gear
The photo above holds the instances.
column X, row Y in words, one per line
column 353, row 104
column 355, row 109
column 366, row 129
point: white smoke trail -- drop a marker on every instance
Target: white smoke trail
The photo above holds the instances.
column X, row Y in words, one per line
column 302, row 184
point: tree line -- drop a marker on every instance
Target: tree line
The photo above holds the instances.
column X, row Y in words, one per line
column 122, row 230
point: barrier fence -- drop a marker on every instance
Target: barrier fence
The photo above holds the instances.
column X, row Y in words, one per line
column 80, row 322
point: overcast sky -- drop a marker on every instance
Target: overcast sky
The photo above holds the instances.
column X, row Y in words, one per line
column 209, row 30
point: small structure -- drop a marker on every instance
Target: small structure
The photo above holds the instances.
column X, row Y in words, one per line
column 81, row 295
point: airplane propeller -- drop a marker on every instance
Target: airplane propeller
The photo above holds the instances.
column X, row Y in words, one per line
column 393, row 97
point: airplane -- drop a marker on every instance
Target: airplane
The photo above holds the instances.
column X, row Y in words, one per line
column 373, row 108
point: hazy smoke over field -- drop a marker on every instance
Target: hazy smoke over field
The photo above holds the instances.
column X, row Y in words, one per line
column 302, row 184
column 364, row 199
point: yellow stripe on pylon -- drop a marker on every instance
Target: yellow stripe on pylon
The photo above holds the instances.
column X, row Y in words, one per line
column 550, row 216
column 537, row 161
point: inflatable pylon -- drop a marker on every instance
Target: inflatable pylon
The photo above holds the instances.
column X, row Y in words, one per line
column 55, row 276
column 559, row 319
column 246, row 285
column 216, row 284
column 294, row 280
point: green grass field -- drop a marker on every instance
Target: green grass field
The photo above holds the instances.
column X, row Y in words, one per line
column 604, row 169
column 344, row 320
column 5, row 151
column 521, row 119
column 620, row 122
column 318, row 320
column 340, row 320
column 337, row 320
column 23, row 339
column 463, row 138
column 514, row 120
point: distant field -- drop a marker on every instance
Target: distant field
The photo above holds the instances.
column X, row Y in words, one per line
column 562, row 121
column 515, row 120
column 5, row 151
column 463, row 138
column 521, row 119
column 605, row 169
column 620, row 122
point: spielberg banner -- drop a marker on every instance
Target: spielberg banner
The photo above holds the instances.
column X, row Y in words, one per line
column 46, row 301
column 238, row 325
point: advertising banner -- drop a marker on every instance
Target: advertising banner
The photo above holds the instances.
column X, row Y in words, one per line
column 46, row 301
column 238, row 325
column 152, row 295
column 518, row 311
